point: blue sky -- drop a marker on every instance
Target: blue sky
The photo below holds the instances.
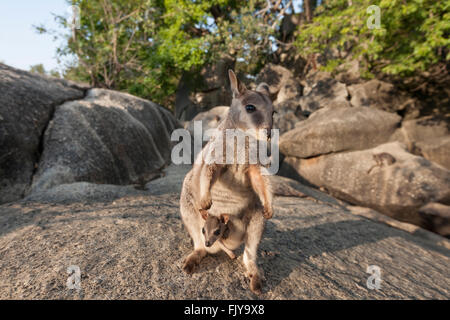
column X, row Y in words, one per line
column 20, row 45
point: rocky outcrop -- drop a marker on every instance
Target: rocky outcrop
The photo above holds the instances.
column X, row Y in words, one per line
column 209, row 119
column 384, row 96
column 27, row 103
column 284, row 88
column 285, row 120
column 335, row 129
column 398, row 189
column 132, row 247
column 428, row 137
column 205, row 90
column 57, row 132
column 275, row 76
column 436, row 217
column 326, row 92
column 108, row 137
column 436, row 150
column 425, row 129
column 349, row 73
column 318, row 149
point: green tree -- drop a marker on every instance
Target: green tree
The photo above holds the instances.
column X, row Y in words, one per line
column 38, row 68
column 143, row 46
column 413, row 35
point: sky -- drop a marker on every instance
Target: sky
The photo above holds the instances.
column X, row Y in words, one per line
column 20, row 45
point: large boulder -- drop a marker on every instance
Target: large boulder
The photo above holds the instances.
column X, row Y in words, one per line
column 27, row 103
column 436, row 150
column 283, row 86
column 427, row 136
column 384, row 96
column 209, row 119
column 349, row 72
column 436, row 217
column 334, row 129
column 108, row 138
column 286, row 120
column 324, row 92
column 398, row 189
column 311, row 79
column 291, row 89
column 425, row 128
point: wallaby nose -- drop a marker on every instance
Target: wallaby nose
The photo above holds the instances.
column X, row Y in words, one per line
column 208, row 243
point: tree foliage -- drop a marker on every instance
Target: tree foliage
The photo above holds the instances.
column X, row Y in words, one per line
column 40, row 69
column 413, row 36
column 143, row 46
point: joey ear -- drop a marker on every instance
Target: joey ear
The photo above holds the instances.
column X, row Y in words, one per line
column 224, row 218
column 263, row 88
column 204, row 214
column 237, row 87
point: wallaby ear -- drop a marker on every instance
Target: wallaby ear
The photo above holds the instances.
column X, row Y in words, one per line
column 204, row 214
column 224, row 218
column 237, row 87
column 263, row 88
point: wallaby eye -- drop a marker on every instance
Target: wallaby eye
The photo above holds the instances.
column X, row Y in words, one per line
column 203, row 230
column 250, row 108
column 217, row 232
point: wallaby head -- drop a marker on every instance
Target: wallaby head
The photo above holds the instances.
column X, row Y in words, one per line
column 214, row 227
column 250, row 109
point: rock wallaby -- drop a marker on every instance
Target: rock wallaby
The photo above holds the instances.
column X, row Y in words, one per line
column 236, row 191
column 382, row 159
column 228, row 232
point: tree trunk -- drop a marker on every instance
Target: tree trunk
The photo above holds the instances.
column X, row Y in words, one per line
column 307, row 10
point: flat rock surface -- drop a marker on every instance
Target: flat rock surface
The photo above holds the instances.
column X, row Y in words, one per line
column 133, row 247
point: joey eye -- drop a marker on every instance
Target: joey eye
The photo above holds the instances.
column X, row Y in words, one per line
column 203, row 230
column 217, row 232
column 250, row 108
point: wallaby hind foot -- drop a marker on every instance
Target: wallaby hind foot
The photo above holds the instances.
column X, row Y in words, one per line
column 255, row 283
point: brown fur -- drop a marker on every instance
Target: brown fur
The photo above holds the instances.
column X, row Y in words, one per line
column 382, row 159
column 239, row 191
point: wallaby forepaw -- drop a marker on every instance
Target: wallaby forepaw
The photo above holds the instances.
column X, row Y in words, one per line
column 189, row 264
column 206, row 203
column 267, row 212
